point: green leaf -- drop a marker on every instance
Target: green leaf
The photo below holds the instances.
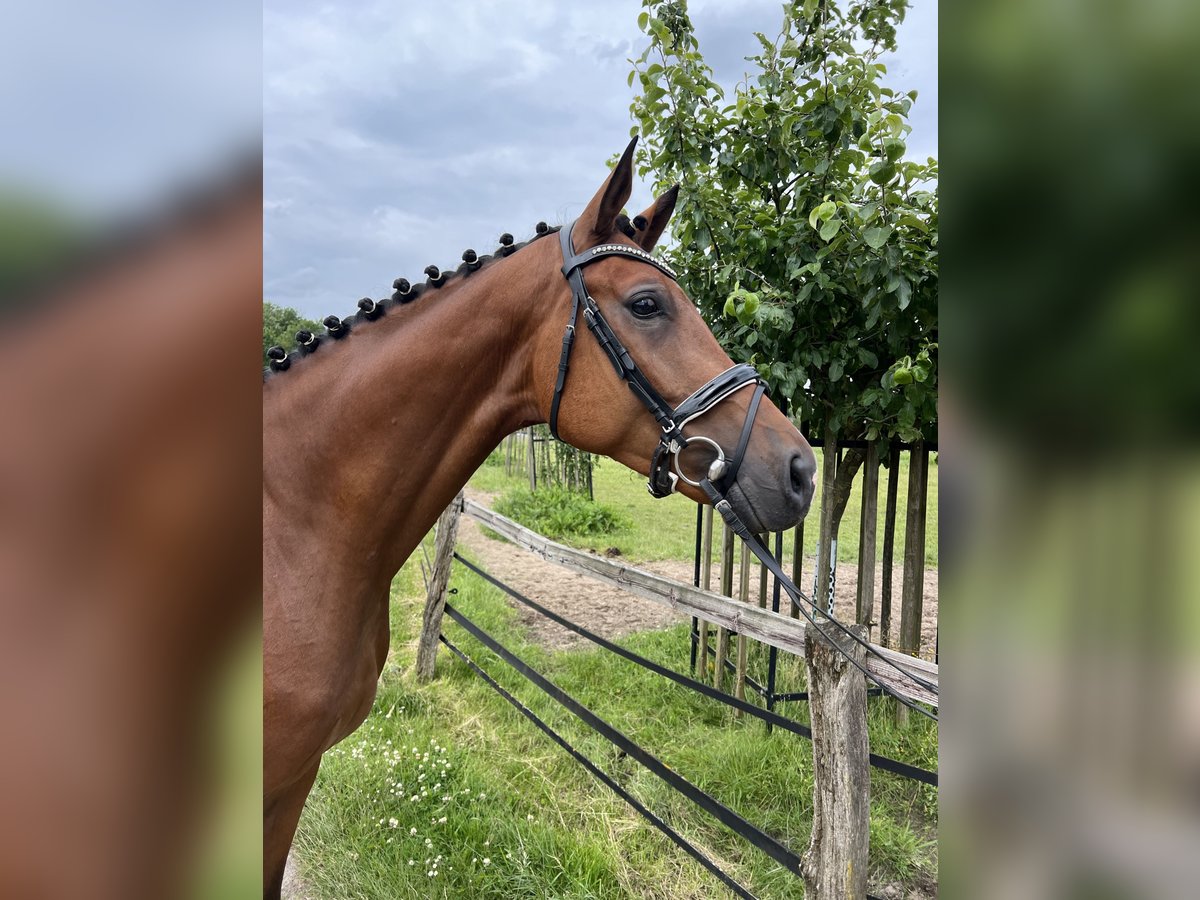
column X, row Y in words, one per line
column 893, row 149
column 904, row 293
column 829, row 229
column 882, row 172
column 823, row 211
column 730, row 307
column 642, row 19
column 876, row 237
column 835, row 371
column 902, row 376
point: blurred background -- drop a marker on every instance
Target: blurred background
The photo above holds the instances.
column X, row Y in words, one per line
column 130, row 218
column 1070, row 483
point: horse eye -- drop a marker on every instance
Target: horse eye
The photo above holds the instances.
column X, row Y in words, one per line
column 644, row 307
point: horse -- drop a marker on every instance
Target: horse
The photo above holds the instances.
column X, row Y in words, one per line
column 371, row 429
column 129, row 529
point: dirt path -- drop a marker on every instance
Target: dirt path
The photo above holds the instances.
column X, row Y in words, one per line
column 613, row 613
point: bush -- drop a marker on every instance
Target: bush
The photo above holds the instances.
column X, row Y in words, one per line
column 559, row 513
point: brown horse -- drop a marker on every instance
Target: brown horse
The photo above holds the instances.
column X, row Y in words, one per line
column 369, row 436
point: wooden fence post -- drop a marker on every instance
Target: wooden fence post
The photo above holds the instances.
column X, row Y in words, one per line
column 797, row 567
column 435, row 599
column 825, row 557
column 531, row 453
column 743, row 648
column 913, row 591
column 835, row 864
column 705, row 582
column 865, row 610
column 722, row 648
column 889, row 540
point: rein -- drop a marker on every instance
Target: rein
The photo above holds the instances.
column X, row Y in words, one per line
column 723, row 471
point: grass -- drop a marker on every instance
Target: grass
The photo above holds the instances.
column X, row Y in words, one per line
column 449, row 776
column 666, row 529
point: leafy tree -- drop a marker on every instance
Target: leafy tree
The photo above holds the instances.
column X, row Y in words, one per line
column 806, row 238
column 280, row 324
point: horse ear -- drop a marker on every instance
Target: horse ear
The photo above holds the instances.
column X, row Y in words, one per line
column 599, row 218
column 649, row 225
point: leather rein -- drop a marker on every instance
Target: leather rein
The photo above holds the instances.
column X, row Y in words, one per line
column 665, row 470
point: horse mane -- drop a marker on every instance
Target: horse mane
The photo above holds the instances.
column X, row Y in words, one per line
column 404, row 292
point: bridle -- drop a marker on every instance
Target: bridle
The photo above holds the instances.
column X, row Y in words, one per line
column 722, row 472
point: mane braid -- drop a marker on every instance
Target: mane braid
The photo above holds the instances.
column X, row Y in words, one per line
column 471, row 264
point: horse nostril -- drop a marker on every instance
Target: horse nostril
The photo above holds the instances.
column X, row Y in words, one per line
column 804, row 468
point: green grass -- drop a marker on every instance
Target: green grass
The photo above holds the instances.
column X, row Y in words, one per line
column 547, row 827
column 665, row 529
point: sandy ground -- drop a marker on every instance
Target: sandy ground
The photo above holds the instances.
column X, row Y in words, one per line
column 612, row 613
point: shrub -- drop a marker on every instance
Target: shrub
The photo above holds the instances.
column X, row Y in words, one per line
column 558, row 513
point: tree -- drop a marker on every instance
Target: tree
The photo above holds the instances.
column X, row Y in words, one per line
column 805, row 237
column 280, row 324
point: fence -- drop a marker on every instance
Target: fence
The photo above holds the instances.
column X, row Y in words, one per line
column 835, row 864
column 545, row 460
column 711, row 659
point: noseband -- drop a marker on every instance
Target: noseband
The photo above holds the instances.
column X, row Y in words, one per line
column 722, row 472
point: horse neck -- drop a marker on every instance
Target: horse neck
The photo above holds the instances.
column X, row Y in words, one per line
column 370, row 443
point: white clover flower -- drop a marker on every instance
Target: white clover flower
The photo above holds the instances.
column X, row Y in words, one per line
column 442, row 820
column 486, row 861
column 529, row 818
column 412, row 862
column 393, row 821
column 413, row 830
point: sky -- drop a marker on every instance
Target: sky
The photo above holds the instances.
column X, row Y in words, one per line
column 104, row 107
column 396, row 135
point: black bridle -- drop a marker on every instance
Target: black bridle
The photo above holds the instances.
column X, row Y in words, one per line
column 722, row 472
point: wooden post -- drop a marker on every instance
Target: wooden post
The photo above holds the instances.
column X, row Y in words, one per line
column 913, row 588
column 835, row 864
column 797, row 566
column 889, row 542
column 739, row 672
column 825, row 541
column 722, row 648
column 531, row 459
column 914, row 551
column 705, row 583
column 435, row 599
column 865, row 606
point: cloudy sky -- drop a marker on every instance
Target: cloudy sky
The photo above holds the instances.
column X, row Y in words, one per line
column 396, row 134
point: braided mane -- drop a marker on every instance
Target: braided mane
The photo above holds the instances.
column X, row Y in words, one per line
column 404, row 293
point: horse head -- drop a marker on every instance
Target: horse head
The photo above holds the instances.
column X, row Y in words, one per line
column 654, row 390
